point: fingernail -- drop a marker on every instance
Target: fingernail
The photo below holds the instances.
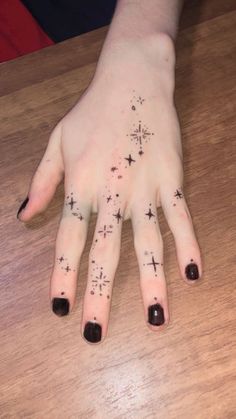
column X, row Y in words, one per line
column 191, row 271
column 23, row 205
column 156, row 315
column 60, row 306
column 92, row 332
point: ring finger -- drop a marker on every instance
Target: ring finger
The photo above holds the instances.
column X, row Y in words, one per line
column 148, row 245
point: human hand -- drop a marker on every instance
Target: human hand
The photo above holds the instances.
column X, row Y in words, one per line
column 119, row 151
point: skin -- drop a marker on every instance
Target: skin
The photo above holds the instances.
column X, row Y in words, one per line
column 92, row 149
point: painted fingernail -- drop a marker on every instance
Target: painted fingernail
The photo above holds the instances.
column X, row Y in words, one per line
column 156, row 315
column 23, row 205
column 191, row 271
column 60, row 306
column 92, row 332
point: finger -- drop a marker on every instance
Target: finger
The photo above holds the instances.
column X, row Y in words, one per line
column 180, row 222
column 70, row 242
column 103, row 261
column 148, row 245
column 48, row 175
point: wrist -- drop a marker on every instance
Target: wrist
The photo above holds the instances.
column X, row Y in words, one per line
column 148, row 60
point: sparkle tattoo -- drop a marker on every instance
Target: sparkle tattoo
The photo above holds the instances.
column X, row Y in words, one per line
column 178, row 194
column 118, row 216
column 140, row 135
column 105, row 231
column 70, row 202
column 152, row 263
column 99, row 283
column 65, row 267
column 130, row 160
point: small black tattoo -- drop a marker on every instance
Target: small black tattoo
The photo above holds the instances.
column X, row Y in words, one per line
column 109, row 198
column 178, row 194
column 130, row 160
column 118, row 216
column 140, row 134
column 105, row 231
column 61, row 259
column 154, row 264
column 99, row 283
column 71, row 201
column 113, row 168
column 140, row 100
column 150, row 213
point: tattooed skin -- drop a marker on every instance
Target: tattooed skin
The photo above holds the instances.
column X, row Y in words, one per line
column 65, row 267
column 152, row 262
column 105, row 230
column 118, row 216
column 99, row 281
column 70, row 202
column 178, row 195
column 149, row 214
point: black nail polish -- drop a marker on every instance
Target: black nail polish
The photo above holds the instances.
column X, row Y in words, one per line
column 92, row 332
column 156, row 315
column 23, row 205
column 60, row 306
column 191, row 271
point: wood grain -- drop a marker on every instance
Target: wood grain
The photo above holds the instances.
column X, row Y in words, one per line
column 187, row 371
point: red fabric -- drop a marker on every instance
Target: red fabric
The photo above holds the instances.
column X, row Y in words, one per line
column 19, row 32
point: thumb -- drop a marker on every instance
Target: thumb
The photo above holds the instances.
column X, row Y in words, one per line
column 47, row 177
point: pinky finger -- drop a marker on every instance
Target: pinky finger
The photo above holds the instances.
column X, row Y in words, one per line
column 180, row 222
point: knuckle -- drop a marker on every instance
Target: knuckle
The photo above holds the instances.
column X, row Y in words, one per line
column 103, row 248
column 145, row 238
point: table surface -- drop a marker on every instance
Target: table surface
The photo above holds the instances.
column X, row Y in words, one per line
column 188, row 371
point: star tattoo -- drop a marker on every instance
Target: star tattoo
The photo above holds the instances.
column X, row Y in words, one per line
column 118, row 216
column 150, row 213
column 105, row 231
column 178, row 194
column 130, row 160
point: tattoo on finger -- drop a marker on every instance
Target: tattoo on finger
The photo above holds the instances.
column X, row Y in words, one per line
column 75, row 211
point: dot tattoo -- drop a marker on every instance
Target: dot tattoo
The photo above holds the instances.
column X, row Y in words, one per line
column 140, row 100
column 137, row 99
column 113, row 168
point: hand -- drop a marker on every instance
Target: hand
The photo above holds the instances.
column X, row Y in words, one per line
column 119, row 150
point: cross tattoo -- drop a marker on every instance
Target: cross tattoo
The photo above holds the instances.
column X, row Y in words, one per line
column 153, row 263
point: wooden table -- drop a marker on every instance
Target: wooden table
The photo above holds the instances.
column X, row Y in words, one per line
column 188, row 371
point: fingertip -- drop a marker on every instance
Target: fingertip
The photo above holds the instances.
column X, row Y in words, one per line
column 92, row 332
